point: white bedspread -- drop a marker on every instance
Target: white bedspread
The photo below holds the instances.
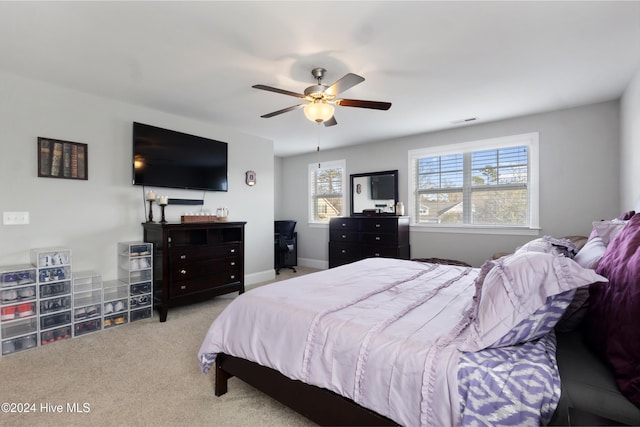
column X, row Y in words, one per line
column 382, row 332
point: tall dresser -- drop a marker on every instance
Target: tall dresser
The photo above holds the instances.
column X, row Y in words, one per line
column 195, row 261
column 358, row 237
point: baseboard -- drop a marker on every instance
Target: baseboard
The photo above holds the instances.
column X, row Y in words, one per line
column 313, row 263
column 263, row 276
column 267, row 275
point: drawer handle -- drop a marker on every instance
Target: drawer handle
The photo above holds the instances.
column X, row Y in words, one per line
column 183, row 271
column 378, row 225
column 183, row 257
column 233, row 251
column 344, row 236
column 377, row 254
column 232, row 263
column 232, row 276
column 343, row 224
column 183, row 287
column 377, row 237
column 343, row 251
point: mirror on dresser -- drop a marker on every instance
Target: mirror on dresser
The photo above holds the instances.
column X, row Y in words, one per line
column 374, row 193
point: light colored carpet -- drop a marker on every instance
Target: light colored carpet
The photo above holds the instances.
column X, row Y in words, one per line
column 143, row 373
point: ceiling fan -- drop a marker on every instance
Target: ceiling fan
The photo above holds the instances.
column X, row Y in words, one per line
column 321, row 98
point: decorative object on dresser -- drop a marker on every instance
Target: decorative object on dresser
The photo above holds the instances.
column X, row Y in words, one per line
column 355, row 238
column 195, row 261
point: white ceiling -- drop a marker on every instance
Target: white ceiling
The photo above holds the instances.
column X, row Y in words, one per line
column 436, row 62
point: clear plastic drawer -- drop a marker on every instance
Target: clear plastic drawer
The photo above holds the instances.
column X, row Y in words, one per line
column 52, row 305
column 19, row 344
column 141, row 288
column 116, row 320
column 139, row 301
column 54, row 289
column 86, row 327
column 53, row 335
column 87, row 298
column 54, row 320
column 115, row 289
column 143, row 313
column 49, row 257
column 115, row 306
column 85, row 281
column 17, row 275
column 17, row 311
column 18, row 294
column 54, row 274
column 88, row 312
column 19, row 327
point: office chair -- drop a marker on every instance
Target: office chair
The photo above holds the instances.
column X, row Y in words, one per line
column 285, row 244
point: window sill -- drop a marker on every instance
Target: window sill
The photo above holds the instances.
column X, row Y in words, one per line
column 475, row 229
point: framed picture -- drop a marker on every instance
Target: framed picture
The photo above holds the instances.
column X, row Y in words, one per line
column 62, row 159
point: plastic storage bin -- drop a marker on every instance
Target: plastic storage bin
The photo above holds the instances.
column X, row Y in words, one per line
column 18, row 308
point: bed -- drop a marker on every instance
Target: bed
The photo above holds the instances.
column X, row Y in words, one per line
column 386, row 341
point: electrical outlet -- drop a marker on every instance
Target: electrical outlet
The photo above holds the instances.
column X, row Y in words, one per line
column 15, row 218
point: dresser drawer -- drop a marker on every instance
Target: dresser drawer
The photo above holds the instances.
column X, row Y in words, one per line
column 204, row 283
column 344, row 224
column 386, row 225
column 193, row 269
column 343, row 235
column 373, row 251
column 379, row 238
column 351, row 251
column 195, row 253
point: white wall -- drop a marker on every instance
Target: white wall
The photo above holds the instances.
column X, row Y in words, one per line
column 579, row 161
column 90, row 217
column 630, row 145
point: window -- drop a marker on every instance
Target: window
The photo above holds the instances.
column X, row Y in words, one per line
column 326, row 190
column 489, row 183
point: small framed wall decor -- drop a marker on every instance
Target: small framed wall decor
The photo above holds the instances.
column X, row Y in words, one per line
column 62, row 159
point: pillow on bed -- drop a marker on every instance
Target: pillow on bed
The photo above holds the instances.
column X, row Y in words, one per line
column 590, row 255
column 608, row 230
column 549, row 245
column 540, row 323
column 515, row 289
column 625, row 216
column 612, row 324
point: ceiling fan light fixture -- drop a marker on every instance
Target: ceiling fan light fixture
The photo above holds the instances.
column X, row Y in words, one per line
column 318, row 111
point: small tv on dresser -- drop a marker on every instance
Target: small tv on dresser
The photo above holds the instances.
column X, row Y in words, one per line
column 167, row 158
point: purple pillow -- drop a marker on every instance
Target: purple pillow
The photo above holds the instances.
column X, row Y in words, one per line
column 613, row 322
column 513, row 293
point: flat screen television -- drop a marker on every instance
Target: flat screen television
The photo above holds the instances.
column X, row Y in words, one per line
column 167, row 158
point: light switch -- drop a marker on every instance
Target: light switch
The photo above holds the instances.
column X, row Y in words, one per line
column 15, row 218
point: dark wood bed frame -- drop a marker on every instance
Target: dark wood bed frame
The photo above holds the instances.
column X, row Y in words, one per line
column 320, row 405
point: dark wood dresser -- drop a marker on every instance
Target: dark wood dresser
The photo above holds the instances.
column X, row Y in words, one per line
column 358, row 237
column 195, row 261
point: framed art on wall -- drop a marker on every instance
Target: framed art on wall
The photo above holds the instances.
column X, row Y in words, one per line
column 62, row 159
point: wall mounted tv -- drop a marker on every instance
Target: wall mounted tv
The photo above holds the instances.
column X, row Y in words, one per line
column 166, row 158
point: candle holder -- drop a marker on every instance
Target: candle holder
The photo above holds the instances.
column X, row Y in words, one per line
column 150, row 211
column 162, row 206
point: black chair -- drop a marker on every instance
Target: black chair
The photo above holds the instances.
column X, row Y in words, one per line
column 285, row 245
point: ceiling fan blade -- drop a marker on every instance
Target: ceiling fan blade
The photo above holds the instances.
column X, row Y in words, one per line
column 276, row 90
column 375, row 105
column 331, row 122
column 348, row 81
column 284, row 110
